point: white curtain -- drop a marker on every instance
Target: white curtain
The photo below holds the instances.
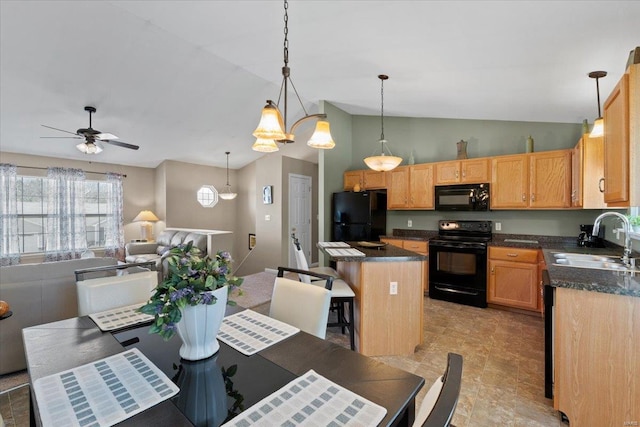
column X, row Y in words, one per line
column 66, row 229
column 10, row 241
column 114, row 226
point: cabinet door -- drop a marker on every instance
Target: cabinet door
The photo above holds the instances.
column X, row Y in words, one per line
column 513, row 284
column 351, row 178
column 393, row 242
column 576, row 174
column 616, row 145
column 550, row 179
column 475, row 171
column 447, row 172
column 421, row 186
column 374, row 180
column 593, row 173
column 398, row 189
column 509, row 182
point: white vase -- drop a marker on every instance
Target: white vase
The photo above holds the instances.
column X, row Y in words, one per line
column 199, row 327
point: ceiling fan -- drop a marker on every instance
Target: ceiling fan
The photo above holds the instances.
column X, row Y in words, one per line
column 93, row 138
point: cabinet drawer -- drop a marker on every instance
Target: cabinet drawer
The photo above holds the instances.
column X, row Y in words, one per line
column 415, row 246
column 513, row 254
column 392, row 242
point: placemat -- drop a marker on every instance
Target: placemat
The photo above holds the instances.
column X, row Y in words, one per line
column 120, row 317
column 102, row 393
column 249, row 332
column 311, row 400
column 333, row 245
column 344, row 252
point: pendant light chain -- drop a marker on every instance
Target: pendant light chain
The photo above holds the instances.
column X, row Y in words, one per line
column 227, row 153
column 286, row 33
column 598, row 90
column 382, row 108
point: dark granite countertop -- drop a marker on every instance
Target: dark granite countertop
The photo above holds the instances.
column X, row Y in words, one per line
column 388, row 253
column 558, row 276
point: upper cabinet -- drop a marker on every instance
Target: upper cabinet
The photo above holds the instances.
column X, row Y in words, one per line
column 411, row 187
column 616, row 145
column 587, row 174
column 536, row 180
column 367, row 180
column 462, row 171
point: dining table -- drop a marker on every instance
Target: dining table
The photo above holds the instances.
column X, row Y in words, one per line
column 219, row 388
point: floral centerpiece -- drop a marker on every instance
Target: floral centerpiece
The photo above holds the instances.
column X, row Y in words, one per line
column 191, row 279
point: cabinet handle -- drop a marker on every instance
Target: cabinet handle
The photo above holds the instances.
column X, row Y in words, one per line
column 524, row 197
column 457, row 174
column 464, row 174
column 493, row 270
column 533, row 197
column 512, row 255
column 601, row 181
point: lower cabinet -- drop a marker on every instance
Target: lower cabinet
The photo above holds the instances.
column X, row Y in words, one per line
column 418, row 246
column 513, row 278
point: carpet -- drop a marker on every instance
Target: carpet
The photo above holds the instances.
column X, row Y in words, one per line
column 256, row 290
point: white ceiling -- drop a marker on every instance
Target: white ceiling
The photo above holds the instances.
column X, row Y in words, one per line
column 185, row 80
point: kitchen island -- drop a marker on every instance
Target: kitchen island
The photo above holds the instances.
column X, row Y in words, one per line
column 388, row 285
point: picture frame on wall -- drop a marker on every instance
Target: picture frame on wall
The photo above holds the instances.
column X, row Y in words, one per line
column 252, row 241
column 267, row 197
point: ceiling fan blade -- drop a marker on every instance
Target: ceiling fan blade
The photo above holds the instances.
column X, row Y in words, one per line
column 66, row 131
column 121, row 144
column 63, row 137
column 103, row 136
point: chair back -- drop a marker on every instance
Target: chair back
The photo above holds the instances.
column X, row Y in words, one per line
column 301, row 260
column 439, row 404
column 305, row 307
column 106, row 293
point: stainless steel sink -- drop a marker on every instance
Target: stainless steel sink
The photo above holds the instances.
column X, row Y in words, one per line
column 589, row 261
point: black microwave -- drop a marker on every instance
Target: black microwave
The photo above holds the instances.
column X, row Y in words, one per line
column 462, row 197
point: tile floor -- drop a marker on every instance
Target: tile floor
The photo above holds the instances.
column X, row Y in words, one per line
column 503, row 372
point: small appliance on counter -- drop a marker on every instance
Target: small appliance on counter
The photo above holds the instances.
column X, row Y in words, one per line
column 586, row 239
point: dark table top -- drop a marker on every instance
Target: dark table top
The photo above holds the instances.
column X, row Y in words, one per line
column 58, row 346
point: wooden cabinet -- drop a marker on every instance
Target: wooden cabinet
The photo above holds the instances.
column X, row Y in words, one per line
column 418, row 246
column 513, row 278
column 411, row 187
column 616, row 145
column 537, row 180
column 587, row 173
column 462, row 171
column 597, row 357
column 367, row 180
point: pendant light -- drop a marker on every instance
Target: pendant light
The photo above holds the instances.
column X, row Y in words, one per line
column 273, row 125
column 383, row 162
column 227, row 194
column 598, row 125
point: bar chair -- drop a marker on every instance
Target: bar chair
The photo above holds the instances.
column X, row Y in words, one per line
column 439, row 404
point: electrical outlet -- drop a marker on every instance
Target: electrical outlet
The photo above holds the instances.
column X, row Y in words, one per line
column 393, row 288
column 498, row 226
column 409, row 223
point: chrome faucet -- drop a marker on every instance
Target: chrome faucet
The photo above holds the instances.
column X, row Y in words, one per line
column 626, row 228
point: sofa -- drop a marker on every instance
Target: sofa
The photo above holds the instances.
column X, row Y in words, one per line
column 37, row 293
column 208, row 241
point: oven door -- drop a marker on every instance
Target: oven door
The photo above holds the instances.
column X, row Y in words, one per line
column 458, row 272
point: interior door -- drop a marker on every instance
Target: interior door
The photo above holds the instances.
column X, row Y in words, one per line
column 300, row 215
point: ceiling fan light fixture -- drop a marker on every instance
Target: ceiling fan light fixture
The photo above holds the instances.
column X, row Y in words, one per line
column 89, row 148
column 321, row 137
column 598, row 124
column 227, row 194
column 265, row 145
column 382, row 162
column 273, row 124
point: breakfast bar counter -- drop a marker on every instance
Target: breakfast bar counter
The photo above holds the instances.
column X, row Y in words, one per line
column 388, row 283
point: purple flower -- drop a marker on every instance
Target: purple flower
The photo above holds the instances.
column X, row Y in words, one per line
column 207, row 298
column 169, row 327
column 158, row 308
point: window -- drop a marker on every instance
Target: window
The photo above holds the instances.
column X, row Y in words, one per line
column 32, row 212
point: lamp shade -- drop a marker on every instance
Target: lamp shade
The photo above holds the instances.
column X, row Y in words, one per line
column 321, row 137
column 598, row 128
column 265, row 145
column 89, row 148
column 271, row 125
column 382, row 162
column 227, row 194
column 146, row 216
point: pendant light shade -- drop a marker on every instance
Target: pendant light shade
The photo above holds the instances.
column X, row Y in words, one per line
column 89, row 147
column 227, row 194
column 382, row 162
column 273, row 124
column 598, row 124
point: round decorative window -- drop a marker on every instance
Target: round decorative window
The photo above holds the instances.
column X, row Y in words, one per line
column 207, row 196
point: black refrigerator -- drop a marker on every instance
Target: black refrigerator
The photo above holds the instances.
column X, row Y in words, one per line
column 359, row 216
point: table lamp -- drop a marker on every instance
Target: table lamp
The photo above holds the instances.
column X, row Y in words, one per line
column 146, row 217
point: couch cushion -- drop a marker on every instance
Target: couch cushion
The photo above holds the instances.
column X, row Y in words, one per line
column 178, row 238
column 164, row 239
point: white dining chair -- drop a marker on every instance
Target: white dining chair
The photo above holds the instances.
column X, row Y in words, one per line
column 301, row 262
column 305, row 307
column 105, row 293
column 439, row 404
